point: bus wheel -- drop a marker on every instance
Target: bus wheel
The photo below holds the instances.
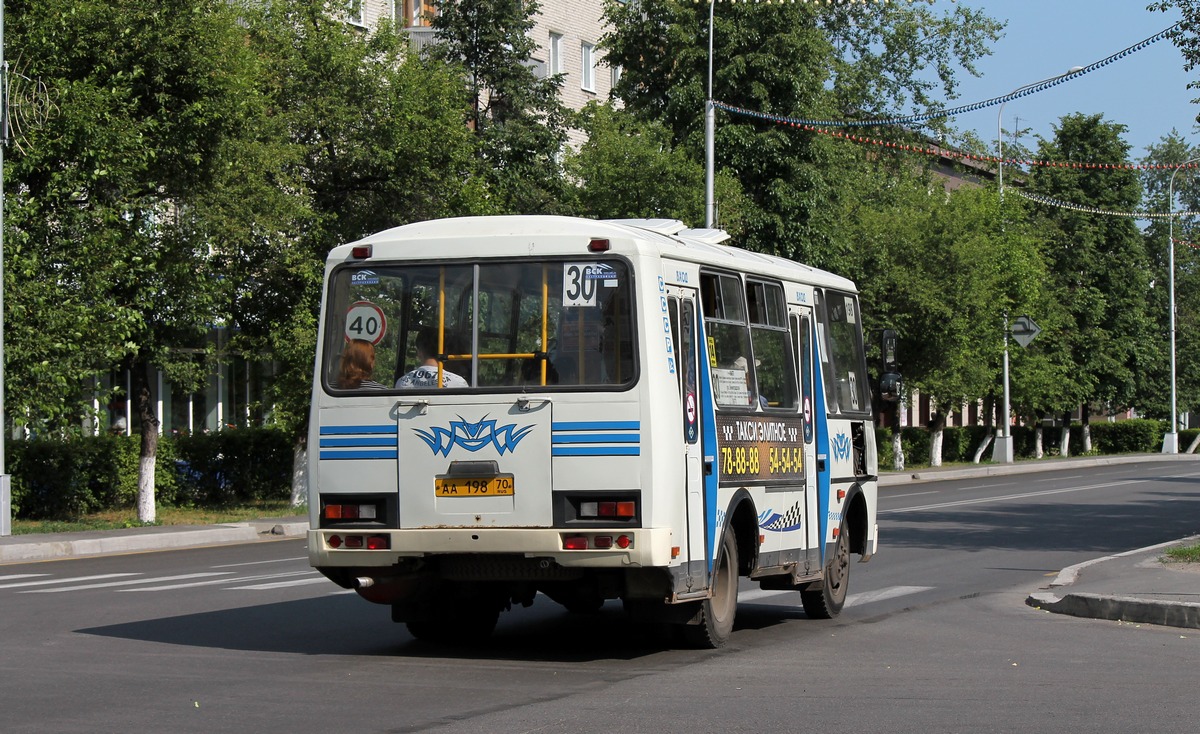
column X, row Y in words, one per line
column 717, row 611
column 826, row 602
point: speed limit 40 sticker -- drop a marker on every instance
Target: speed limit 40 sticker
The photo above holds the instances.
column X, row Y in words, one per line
column 365, row 320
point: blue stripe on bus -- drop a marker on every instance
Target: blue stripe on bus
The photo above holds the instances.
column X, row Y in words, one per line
column 821, row 418
column 359, row 442
column 339, row 430
column 596, row 451
column 596, row 426
column 708, row 444
column 328, row 455
column 597, row 438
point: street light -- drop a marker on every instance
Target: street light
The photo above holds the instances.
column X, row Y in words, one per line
column 1002, row 451
column 1171, row 439
column 710, row 127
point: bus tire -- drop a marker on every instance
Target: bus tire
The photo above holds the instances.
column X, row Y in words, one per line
column 717, row 612
column 827, row 601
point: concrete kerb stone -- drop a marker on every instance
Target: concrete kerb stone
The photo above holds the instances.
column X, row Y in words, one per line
column 930, row 474
column 37, row 551
column 1120, row 608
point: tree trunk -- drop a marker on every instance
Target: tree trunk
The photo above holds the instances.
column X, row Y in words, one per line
column 299, row 473
column 149, row 447
column 1192, row 448
column 1064, row 445
column 989, row 408
column 1039, row 445
column 937, row 422
column 897, row 450
column 1087, row 430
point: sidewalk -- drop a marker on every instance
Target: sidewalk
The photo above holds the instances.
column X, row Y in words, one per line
column 51, row 546
column 1133, row 586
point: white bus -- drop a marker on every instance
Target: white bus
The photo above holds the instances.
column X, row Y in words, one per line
column 622, row 409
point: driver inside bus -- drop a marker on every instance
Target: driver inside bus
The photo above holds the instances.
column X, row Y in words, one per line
column 426, row 371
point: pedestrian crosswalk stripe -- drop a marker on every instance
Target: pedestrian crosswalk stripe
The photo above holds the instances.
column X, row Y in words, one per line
column 47, row 582
column 127, row 583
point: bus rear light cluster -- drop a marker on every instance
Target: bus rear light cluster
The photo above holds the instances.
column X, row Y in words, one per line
column 358, row 542
column 350, row 512
column 607, row 509
column 596, row 542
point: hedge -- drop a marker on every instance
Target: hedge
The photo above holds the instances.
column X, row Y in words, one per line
column 65, row 480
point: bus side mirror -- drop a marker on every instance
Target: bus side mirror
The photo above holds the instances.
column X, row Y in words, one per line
column 890, row 386
column 890, row 382
column 889, row 350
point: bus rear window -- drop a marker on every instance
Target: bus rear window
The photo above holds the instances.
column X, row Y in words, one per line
column 492, row 325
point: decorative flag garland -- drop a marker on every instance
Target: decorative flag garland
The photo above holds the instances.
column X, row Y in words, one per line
column 1050, row 201
column 910, row 119
column 947, row 153
column 1185, row 243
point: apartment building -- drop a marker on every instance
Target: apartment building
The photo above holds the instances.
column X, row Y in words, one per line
column 567, row 33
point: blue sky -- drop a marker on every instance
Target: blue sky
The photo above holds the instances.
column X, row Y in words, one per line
column 1146, row 91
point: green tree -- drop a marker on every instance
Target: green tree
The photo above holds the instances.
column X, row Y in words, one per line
column 1099, row 264
column 517, row 117
column 802, row 61
column 628, row 169
column 942, row 269
column 1154, row 383
column 152, row 103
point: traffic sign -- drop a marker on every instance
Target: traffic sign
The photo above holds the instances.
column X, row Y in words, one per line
column 1024, row 330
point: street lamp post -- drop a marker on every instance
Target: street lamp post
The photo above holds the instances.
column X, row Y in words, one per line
column 1171, row 439
column 1002, row 451
column 710, row 127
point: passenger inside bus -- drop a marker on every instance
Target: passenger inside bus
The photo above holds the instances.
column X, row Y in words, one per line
column 357, row 366
column 426, row 372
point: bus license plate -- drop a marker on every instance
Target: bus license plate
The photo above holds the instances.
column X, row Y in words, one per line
column 467, row 487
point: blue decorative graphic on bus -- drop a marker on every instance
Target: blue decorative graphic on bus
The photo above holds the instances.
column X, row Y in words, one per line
column 790, row 520
column 473, row 436
column 841, row 447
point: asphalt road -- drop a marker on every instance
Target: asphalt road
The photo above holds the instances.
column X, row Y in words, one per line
column 935, row 638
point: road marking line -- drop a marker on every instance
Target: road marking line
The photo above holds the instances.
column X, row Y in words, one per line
column 282, row 584
column 1003, row 498
column 15, row 576
column 67, row 581
column 257, row 563
column 127, row 583
column 212, row 582
column 866, row 597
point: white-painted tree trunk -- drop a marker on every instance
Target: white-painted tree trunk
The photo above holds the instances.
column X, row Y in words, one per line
column 935, row 447
column 982, row 447
column 1039, row 446
column 1065, row 441
column 299, row 475
column 897, row 451
column 145, row 503
column 1087, row 438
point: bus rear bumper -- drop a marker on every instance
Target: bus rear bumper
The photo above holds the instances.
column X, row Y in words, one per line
column 359, row 548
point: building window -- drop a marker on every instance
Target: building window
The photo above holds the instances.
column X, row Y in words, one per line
column 557, row 63
column 587, row 54
column 354, row 12
column 414, row 13
column 616, row 74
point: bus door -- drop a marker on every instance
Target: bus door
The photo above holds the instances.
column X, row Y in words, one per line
column 681, row 307
column 801, row 324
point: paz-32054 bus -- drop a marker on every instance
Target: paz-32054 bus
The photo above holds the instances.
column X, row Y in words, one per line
column 600, row 410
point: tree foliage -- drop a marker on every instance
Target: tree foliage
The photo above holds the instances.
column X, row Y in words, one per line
column 1099, row 264
column 800, row 61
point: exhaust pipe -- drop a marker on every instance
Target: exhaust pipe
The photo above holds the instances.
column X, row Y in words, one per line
column 363, row 582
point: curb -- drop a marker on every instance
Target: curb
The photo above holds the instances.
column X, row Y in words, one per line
column 1023, row 467
column 245, row 532
column 1120, row 609
column 1114, row 607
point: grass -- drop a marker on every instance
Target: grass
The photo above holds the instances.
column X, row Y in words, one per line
column 1185, row 554
column 127, row 518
